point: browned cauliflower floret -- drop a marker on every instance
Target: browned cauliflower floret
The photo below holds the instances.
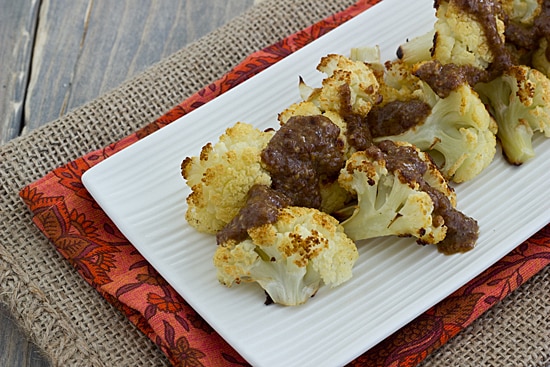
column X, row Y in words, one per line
column 456, row 130
column 222, row 175
column 465, row 34
column 348, row 83
column 398, row 82
column 390, row 201
column 291, row 257
column 401, row 192
column 460, row 38
column 459, row 134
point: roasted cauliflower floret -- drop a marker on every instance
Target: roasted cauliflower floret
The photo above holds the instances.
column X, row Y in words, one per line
column 290, row 258
column 520, row 103
column 460, row 38
column 391, row 201
column 458, row 133
column 399, row 82
column 222, row 175
column 348, row 83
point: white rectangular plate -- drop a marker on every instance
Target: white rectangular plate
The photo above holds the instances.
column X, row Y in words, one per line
column 394, row 281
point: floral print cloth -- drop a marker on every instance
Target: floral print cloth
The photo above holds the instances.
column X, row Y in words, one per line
column 85, row 236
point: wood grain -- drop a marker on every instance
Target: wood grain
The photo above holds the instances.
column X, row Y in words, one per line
column 15, row 348
column 17, row 27
column 57, row 55
column 102, row 43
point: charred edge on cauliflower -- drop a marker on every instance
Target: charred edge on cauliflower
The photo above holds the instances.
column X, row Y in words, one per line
column 418, row 49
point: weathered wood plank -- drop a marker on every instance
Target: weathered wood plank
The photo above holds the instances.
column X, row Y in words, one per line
column 17, row 28
column 59, row 38
column 85, row 48
column 17, row 24
column 15, row 349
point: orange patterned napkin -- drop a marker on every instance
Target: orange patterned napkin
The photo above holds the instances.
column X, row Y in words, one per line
column 80, row 230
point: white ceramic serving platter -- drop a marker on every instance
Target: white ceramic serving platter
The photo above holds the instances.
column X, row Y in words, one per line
column 395, row 280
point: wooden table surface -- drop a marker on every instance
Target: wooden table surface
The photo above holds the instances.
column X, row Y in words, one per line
column 59, row 54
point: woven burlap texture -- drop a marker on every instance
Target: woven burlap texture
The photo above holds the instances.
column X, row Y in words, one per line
column 73, row 325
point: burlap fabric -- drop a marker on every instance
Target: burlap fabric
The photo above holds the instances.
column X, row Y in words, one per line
column 74, row 326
